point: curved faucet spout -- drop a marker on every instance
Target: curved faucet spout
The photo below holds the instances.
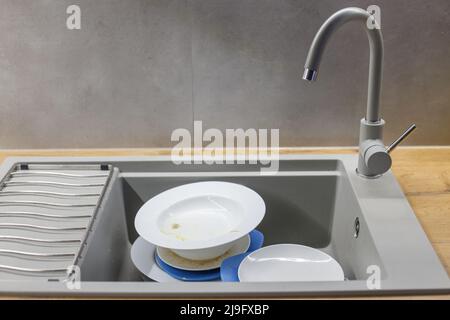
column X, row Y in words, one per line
column 376, row 53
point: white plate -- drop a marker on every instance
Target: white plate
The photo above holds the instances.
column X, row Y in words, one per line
column 174, row 260
column 143, row 257
column 200, row 215
column 289, row 262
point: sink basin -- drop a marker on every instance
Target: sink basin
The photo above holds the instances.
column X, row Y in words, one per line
column 367, row 225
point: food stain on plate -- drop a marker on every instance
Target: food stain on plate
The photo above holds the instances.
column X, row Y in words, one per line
column 176, row 261
column 197, row 224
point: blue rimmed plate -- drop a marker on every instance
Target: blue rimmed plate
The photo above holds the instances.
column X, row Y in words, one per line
column 256, row 241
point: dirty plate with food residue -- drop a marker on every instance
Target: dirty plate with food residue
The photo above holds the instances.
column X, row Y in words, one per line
column 174, row 260
column 202, row 220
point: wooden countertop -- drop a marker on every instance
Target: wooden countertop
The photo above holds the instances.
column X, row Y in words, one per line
column 423, row 173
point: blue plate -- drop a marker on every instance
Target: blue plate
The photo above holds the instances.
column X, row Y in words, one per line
column 230, row 266
column 256, row 241
column 185, row 275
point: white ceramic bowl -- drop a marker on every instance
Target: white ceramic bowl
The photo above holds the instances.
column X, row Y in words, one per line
column 289, row 262
column 202, row 220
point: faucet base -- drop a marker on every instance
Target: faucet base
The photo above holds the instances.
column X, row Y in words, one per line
column 367, row 177
column 373, row 157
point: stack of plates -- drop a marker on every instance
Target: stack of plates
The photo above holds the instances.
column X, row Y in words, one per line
column 186, row 232
column 163, row 265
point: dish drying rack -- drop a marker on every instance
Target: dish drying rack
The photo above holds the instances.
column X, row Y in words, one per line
column 46, row 213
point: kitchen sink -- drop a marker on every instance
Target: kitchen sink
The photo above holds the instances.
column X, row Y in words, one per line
column 367, row 225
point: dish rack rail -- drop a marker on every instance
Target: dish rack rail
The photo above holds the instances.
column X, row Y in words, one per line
column 46, row 214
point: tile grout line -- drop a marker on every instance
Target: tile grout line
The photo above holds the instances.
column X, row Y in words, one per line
column 191, row 26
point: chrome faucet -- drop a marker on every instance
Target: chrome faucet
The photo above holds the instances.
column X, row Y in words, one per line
column 374, row 158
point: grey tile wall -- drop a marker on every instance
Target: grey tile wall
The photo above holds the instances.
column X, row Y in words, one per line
column 139, row 69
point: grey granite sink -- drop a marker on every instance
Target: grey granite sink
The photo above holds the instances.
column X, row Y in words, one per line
column 367, row 225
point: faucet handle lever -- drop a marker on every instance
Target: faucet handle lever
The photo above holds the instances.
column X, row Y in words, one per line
column 401, row 138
